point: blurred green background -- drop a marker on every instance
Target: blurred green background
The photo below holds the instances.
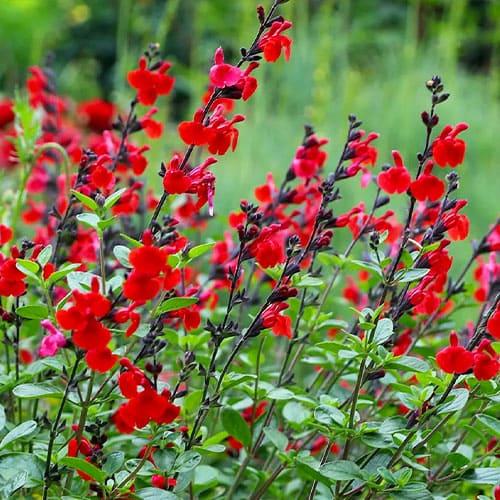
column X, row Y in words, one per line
column 367, row 57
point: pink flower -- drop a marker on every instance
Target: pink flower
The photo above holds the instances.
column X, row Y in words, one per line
column 222, row 74
column 52, row 342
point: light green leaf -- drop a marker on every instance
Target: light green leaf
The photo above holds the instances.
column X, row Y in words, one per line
column 200, row 250
column 174, row 304
column 22, row 430
column 33, row 312
column 86, row 200
column 235, row 426
column 81, row 464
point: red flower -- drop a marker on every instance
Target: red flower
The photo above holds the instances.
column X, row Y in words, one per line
column 11, row 279
column 97, row 114
column 222, row 74
column 83, row 319
column 150, row 83
column 143, row 406
column 493, row 325
column 397, row 179
column 6, row 112
column 251, row 414
column 267, row 248
column 447, row 149
column 427, row 187
column 455, row 358
column 272, row 318
column 153, row 128
column 101, row 360
column 5, row 234
column 486, row 365
column 273, row 42
column 402, row 344
column 234, row 443
column 309, row 158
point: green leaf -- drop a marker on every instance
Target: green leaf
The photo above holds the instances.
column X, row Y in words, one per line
column 277, row 438
column 383, row 331
column 483, row 475
column 367, row 266
column 455, row 402
column 86, row 200
column 408, row 363
column 156, row 494
column 491, row 423
column 81, row 281
column 35, row 391
column 409, row 275
column 307, row 281
column 90, row 220
column 44, row 256
column 132, row 241
column 200, row 250
column 22, row 430
column 113, row 462
column 329, row 415
column 280, row 393
column 122, row 253
column 14, row 463
column 174, row 304
column 81, row 464
column 295, row 412
column 113, row 198
column 61, row 273
column 28, row 267
column 341, row 470
column 235, row 425
column 103, row 224
column 33, row 312
column 187, row 461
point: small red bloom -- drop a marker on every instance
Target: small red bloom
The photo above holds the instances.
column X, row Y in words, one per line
column 447, row 149
column 486, row 365
column 397, row 179
column 455, row 358
column 273, row 42
column 493, row 325
column 6, row 112
column 153, row 128
column 5, row 234
column 97, row 114
column 150, row 83
column 100, row 360
column 222, row 74
column 427, row 187
column 272, row 318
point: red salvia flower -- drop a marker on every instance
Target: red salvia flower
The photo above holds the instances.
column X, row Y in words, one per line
column 151, row 83
column 493, row 324
column 486, row 365
column 455, row 358
column 447, row 149
column 6, row 112
column 280, row 324
column 222, row 74
column 427, row 187
column 5, row 234
column 397, row 179
column 267, row 248
column 153, row 128
column 273, row 42
column 101, row 360
column 97, row 114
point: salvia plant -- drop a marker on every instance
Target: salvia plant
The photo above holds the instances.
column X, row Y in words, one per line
column 143, row 359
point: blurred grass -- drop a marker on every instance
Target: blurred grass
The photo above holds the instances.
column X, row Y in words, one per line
column 367, row 57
